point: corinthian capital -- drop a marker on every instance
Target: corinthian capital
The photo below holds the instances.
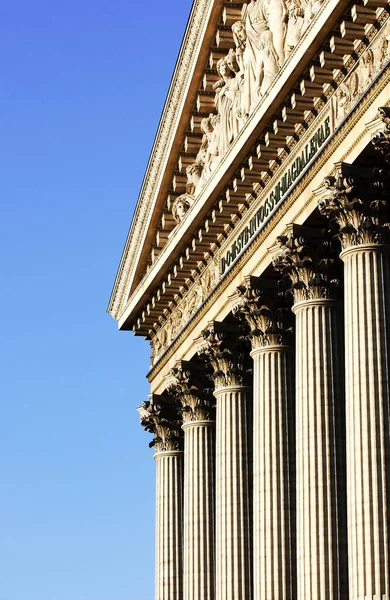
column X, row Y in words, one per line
column 381, row 139
column 160, row 416
column 265, row 309
column 227, row 352
column 187, row 382
column 308, row 262
column 355, row 201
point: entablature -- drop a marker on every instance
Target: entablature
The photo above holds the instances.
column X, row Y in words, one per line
column 309, row 82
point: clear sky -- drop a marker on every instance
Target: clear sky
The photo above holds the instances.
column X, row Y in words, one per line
column 82, row 88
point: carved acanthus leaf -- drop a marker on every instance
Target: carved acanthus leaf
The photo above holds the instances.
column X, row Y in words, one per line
column 266, row 311
column 227, row 352
column 309, row 263
column 381, row 139
column 188, row 383
column 356, row 203
column 161, row 416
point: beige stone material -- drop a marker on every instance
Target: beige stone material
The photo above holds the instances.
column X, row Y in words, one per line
column 320, row 498
column 357, row 204
column 233, row 573
column 268, row 317
column 198, row 520
column 169, row 526
column 160, row 416
column 233, row 570
column 187, row 383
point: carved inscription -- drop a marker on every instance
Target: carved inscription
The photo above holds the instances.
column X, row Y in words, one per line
column 278, row 194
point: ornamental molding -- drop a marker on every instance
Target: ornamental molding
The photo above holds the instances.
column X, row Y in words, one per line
column 196, row 28
column 189, row 384
column 262, row 305
column 378, row 86
column 226, row 351
column 169, row 328
column 161, row 416
column 355, row 200
column 308, row 262
column 118, row 306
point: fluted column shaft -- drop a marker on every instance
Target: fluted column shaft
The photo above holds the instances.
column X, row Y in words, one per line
column 318, row 394
column 272, row 533
column 199, row 448
column 367, row 315
column 232, row 502
column 264, row 309
column 169, row 519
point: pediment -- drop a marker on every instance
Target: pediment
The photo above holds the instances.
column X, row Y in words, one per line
column 221, row 146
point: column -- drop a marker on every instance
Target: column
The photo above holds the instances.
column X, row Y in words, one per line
column 160, row 416
column 268, row 316
column 228, row 358
column 357, row 204
column 321, row 534
column 188, row 384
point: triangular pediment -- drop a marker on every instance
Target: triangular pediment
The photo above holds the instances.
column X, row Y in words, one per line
column 248, row 84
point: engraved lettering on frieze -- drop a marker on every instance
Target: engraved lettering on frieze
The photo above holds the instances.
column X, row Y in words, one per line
column 283, row 186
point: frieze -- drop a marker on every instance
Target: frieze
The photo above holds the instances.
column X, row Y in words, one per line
column 186, row 307
column 168, row 123
column 263, row 39
column 376, row 89
column 303, row 155
column 379, row 49
column 372, row 61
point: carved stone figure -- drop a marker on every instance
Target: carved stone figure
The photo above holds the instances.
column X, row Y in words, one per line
column 311, row 9
column 366, row 70
column 345, row 97
column 276, row 11
column 194, row 173
column 295, row 25
column 235, row 65
column 269, row 62
column 208, row 155
column 226, row 104
column 181, row 205
column 381, row 48
column 255, row 53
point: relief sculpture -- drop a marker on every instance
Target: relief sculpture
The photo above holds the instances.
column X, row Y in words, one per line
column 185, row 309
column 356, row 83
column 263, row 39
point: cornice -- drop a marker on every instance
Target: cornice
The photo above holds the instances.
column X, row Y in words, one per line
column 329, row 150
column 188, row 56
column 286, row 78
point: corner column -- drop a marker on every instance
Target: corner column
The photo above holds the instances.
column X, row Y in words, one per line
column 321, row 533
column 187, row 383
column 357, row 205
column 267, row 315
column 160, row 416
column 227, row 357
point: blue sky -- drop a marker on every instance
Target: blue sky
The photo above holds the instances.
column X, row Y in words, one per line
column 82, row 89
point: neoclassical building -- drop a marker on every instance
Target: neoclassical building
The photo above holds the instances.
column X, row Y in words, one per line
column 257, row 266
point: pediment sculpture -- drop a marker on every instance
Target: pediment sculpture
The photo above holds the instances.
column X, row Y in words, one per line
column 264, row 37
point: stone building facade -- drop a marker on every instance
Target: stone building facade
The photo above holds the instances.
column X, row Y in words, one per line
column 257, row 264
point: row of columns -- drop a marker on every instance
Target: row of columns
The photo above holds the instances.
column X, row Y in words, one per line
column 310, row 517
